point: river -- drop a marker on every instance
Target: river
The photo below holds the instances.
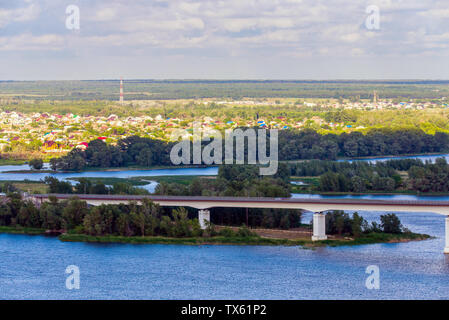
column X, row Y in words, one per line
column 33, row 267
column 7, row 172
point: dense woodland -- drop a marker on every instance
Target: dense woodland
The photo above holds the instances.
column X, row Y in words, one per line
column 74, row 214
column 232, row 180
column 194, row 89
column 86, row 186
column 340, row 223
column 148, row 219
column 363, row 176
column 293, row 145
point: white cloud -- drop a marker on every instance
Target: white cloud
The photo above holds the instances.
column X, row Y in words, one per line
column 231, row 29
column 26, row 42
column 28, row 13
column 105, row 14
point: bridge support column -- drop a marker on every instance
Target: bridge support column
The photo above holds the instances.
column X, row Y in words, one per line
column 203, row 216
column 319, row 227
column 446, row 248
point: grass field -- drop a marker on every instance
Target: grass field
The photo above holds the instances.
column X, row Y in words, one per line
column 139, row 181
column 28, row 186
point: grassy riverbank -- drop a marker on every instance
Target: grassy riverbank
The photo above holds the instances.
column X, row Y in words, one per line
column 12, row 162
column 370, row 238
column 311, row 185
column 143, row 180
column 378, row 193
column 251, row 240
column 22, row 230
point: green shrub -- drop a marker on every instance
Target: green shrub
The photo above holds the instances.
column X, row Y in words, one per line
column 226, row 232
column 244, row 232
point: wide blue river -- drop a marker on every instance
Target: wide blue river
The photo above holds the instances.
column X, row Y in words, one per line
column 33, row 267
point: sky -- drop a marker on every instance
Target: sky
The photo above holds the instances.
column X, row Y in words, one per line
column 224, row 39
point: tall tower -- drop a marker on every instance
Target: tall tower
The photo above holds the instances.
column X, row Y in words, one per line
column 121, row 90
column 374, row 96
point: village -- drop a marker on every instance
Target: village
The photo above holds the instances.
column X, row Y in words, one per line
column 52, row 134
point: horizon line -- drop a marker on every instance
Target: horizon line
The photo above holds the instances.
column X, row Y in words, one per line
column 237, row 79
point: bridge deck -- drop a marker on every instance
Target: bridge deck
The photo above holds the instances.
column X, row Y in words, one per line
column 253, row 202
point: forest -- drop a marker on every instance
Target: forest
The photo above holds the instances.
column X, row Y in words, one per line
column 232, row 180
column 293, row 145
column 362, row 176
column 146, row 219
column 74, row 216
column 341, row 223
column 136, row 89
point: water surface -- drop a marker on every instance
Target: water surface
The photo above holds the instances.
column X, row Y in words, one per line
column 33, row 267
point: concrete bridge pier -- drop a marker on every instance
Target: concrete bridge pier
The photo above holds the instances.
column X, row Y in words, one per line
column 203, row 216
column 319, row 227
column 446, row 248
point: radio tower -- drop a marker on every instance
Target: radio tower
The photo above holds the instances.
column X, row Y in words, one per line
column 121, row 90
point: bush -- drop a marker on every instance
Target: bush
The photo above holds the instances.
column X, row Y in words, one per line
column 244, row 232
column 227, row 232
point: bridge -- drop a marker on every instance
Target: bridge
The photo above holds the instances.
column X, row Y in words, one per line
column 318, row 206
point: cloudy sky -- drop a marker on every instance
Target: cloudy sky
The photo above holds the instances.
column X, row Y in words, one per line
column 225, row 39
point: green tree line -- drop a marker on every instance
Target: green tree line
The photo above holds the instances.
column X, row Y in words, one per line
column 293, row 145
column 341, row 223
column 132, row 219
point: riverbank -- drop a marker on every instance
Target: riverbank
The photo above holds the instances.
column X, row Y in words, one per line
column 22, row 230
column 371, row 238
column 12, row 162
column 374, row 193
column 137, row 167
column 144, row 180
column 394, row 156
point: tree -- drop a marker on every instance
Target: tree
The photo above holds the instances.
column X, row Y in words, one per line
column 36, row 164
column 181, row 222
column 6, row 215
column 358, row 225
column 358, row 184
column 167, row 226
column 74, row 212
column 100, row 220
column 83, row 186
column 390, row 223
column 57, row 186
column 29, row 215
column 152, row 212
column 50, row 215
column 145, row 158
column 123, row 225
